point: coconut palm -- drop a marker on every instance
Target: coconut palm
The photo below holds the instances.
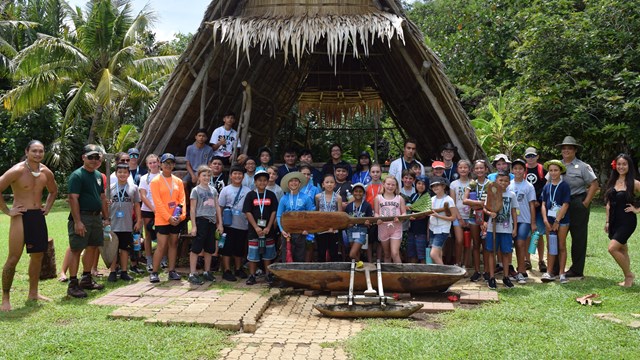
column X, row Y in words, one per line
column 100, row 68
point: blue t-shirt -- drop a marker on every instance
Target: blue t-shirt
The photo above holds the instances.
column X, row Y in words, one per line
column 554, row 196
column 297, row 202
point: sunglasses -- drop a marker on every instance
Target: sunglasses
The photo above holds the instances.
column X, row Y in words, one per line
column 124, row 160
column 134, row 156
column 170, row 163
column 93, row 157
column 529, row 156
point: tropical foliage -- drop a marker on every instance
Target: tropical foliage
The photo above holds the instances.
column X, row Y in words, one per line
column 96, row 64
column 561, row 67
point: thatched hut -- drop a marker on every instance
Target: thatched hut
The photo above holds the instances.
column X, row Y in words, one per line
column 259, row 58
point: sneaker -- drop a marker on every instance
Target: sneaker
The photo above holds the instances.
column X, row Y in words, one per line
column 241, row 274
column 154, row 278
column 526, row 276
column 195, row 279
column 74, row 289
column 573, row 274
column 492, row 283
column 498, row 269
column 521, row 279
column 475, row 277
column 135, row 270
column 546, row 277
column 259, row 273
column 485, row 275
column 251, row 280
column 270, row 278
column 507, row 283
column 125, row 276
column 87, row 283
column 113, row 277
column 542, row 266
column 563, row 279
column 513, row 275
column 163, row 263
column 527, row 265
column 228, row 275
column 208, row 276
column 173, row 275
column 149, row 267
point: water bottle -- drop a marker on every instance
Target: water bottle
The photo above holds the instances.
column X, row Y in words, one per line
column 533, row 245
column 136, row 241
column 478, row 214
column 349, row 196
column 106, row 234
column 427, row 256
column 223, row 238
column 553, row 243
column 262, row 244
column 177, row 211
column 467, row 238
column 310, row 237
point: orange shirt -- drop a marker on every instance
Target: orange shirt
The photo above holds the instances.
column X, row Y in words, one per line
column 167, row 193
column 372, row 191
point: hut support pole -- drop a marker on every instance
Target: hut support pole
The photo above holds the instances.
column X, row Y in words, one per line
column 375, row 145
column 432, row 98
column 203, row 98
column 171, row 129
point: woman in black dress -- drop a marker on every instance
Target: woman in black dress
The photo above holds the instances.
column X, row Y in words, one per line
column 621, row 212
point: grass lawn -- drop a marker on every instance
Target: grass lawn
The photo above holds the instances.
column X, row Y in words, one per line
column 533, row 321
column 530, row 322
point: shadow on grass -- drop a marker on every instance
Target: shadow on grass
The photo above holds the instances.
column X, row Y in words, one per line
column 18, row 314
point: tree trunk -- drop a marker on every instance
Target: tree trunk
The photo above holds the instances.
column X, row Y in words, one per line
column 94, row 123
column 48, row 270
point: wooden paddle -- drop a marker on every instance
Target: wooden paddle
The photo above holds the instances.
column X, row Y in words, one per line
column 295, row 222
column 494, row 204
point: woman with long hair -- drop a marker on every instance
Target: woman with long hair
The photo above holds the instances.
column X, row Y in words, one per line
column 621, row 212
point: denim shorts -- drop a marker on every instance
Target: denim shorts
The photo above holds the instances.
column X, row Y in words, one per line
column 504, row 242
column 357, row 234
column 437, row 240
column 524, row 229
column 416, row 243
column 254, row 251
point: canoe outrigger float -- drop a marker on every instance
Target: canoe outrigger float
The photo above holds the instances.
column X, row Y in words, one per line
column 398, row 278
column 371, row 304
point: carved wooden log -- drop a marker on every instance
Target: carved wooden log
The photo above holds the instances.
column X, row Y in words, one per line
column 49, row 270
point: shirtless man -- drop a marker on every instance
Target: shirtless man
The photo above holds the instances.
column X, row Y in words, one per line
column 27, row 180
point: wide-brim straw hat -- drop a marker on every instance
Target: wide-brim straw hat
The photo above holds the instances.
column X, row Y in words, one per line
column 569, row 140
column 284, row 184
column 563, row 169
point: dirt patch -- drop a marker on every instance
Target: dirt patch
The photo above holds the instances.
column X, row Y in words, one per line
column 425, row 320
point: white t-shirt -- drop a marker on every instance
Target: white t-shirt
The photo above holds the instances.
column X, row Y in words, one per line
column 525, row 193
column 458, row 188
column 437, row 225
column 232, row 139
column 145, row 180
column 504, row 222
column 398, row 165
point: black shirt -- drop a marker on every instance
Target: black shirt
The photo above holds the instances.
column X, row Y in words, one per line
column 252, row 205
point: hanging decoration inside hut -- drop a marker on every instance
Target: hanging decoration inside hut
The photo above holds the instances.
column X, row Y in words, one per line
column 336, row 107
column 279, row 26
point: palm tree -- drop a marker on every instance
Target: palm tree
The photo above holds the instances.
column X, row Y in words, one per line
column 496, row 132
column 100, row 68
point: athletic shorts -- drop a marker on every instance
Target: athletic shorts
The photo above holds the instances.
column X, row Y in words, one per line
column 416, row 243
column 168, row 229
column 236, row 243
column 254, row 251
column 437, row 240
column 504, row 242
column 148, row 214
column 205, row 236
column 524, row 229
column 36, row 236
column 389, row 230
column 125, row 240
column 94, row 234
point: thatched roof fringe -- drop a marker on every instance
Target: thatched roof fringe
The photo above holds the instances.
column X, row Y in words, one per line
column 301, row 34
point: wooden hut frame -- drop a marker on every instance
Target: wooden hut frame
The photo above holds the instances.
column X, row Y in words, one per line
column 279, row 52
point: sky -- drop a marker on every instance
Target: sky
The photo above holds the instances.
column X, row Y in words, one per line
column 174, row 16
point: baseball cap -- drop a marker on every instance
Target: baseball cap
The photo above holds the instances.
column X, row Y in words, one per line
column 501, row 157
column 437, row 164
column 360, row 185
column 91, row 149
column 437, row 180
column 519, row 161
column 261, row 173
column 530, row 151
column 133, row 151
column 166, row 157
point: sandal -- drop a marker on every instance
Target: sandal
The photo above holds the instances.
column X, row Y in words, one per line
column 63, row 278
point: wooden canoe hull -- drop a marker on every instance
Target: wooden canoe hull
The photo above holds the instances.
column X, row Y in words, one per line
column 398, row 278
column 368, row 311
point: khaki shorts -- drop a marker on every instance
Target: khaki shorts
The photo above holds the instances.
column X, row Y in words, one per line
column 93, row 235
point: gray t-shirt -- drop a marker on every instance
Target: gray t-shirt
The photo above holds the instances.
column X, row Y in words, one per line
column 197, row 157
column 123, row 199
column 579, row 176
column 207, row 201
column 228, row 199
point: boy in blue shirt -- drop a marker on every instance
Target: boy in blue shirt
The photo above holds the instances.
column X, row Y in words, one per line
column 293, row 200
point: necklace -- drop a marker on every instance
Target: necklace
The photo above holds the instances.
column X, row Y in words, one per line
column 33, row 173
